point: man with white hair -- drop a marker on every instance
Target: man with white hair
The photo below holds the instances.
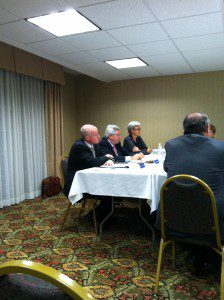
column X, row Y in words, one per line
column 134, row 143
column 110, row 143
column 85, row 153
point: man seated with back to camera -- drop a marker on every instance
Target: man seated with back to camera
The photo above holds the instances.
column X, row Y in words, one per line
column 86, row 153
column 111, row 144
column 195, row 153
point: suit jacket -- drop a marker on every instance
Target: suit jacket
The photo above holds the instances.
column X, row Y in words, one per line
column 200, row 156
column 81, row 157
column 129, row 144
column 107, row 148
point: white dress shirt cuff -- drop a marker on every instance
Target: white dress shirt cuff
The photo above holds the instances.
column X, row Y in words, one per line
column 127, row 158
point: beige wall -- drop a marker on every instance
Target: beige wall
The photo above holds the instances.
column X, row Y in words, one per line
column 68, row 112
column 159, row 103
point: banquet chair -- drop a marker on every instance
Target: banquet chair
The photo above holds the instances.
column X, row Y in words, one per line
column 23, row 279
column 188, row 214
column 63, row 166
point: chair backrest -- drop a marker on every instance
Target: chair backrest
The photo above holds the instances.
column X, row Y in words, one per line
column 63, row 166
column 45, row 275
column 188, row 211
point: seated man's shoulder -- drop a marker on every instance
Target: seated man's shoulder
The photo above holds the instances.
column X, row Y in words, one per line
column 127, row 138
column 103, row 141
column 79, row 143
column 217, row 143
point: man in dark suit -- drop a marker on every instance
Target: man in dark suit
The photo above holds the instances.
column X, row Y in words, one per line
column 194, row 153
column 85, row 153
column 111, row 144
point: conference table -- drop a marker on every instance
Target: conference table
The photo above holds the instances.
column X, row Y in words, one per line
column 138, row 179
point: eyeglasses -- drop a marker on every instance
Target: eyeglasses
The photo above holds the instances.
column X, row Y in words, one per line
column 138, row 129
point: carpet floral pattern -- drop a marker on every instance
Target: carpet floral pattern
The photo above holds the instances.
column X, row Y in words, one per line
column 119, row 265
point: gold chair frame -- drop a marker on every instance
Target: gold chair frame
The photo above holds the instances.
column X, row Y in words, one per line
column 48, row 274
column 164, row 241
column 92, row 201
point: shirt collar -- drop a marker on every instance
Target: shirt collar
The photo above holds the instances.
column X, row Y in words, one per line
column 89, row 145
column 111, row 143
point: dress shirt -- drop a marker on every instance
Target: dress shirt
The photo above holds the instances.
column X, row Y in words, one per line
column 127, row 158
column 91, row 148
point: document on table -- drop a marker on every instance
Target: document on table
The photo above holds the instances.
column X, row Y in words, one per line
column 115, row 166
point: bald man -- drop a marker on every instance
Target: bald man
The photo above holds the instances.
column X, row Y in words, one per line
column 85, row 153
column 194, row 153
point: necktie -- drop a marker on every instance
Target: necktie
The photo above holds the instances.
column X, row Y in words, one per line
column 93, row 151
column 115, row 151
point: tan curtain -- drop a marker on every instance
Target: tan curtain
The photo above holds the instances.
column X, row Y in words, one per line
column 53, row 126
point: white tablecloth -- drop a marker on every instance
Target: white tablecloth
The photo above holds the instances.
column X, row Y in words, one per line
column 133, row 182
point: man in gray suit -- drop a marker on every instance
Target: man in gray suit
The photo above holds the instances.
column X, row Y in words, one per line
column 196, row 154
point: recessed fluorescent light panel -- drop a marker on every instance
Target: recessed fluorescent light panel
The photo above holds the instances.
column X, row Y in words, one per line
column 126, row 63
column 64, row 23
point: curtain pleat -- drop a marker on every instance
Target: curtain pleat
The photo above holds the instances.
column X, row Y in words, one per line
column 53, row 126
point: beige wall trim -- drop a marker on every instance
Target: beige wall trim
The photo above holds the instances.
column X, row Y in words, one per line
column 6, row 57
column 23, row 62
column 27, row 63
column 52, row 72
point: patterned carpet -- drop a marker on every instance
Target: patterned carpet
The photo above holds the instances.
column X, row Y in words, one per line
column 120, row 265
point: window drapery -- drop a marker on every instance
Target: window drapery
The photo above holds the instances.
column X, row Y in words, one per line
column 53, row 123
column 22, row 138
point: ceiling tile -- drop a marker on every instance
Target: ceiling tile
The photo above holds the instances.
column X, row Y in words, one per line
column 54, row 47
column 24, row 32
column 153, row 48
column 104, row 71
column 206, row 60
column 140, row 72
column 91, row 40
column 6, row 17
column 111, row 14
column 98, row 67
column 139, row 33
column 198, row 25
column 82, row 3
column 170, row 9
column 200, row 42
column 111, row 53
column 77, row 58
column 169, row 64
column 33, row 8
column 114, row 77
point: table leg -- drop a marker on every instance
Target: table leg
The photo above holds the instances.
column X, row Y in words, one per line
column 149, row 225
column 107, row 217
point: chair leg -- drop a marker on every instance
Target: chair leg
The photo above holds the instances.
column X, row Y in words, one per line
column 222, row 277
column 63, row 222
column 83, row 206
column 93, row 202
column 161, row 248
column 173, row 254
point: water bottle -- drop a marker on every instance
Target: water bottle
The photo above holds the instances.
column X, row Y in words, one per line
column 160, row 148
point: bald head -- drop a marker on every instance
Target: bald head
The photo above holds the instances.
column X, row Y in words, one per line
column 89, row 133
column 196, row 123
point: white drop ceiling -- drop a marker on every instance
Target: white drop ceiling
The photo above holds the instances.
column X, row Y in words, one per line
column 171, row 36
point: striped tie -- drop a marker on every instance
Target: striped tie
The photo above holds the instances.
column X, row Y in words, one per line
column 93, row 151
column 115, row 151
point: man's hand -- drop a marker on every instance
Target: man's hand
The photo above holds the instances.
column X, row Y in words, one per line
column 109, row 156
column 135, row 149
column 137, row 156
column 109, row 163
column 149, row 150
